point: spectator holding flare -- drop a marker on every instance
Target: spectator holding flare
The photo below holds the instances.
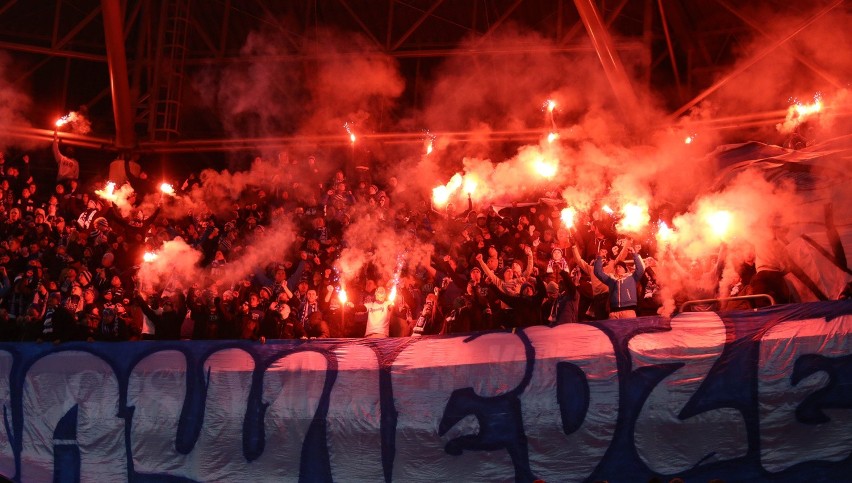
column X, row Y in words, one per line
column 69, row 168
column 623, row 286
column 378, row 314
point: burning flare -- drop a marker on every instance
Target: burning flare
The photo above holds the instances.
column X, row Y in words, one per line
column 168, row 189
column 149, row 257
column 108, row 193
column 720, row 223
column 607, row 209
column 469, row 185
column 635, row 217
column 545, row 169
column 348, row 128
column 664, row 233
column 798, row 113
column 79, row 124
column 568, row 215
column 552, row 136
column 341, row 295
column 440, row 195
column 550, row 105
column 392, row 295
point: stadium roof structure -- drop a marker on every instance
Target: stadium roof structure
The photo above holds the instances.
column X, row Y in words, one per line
column 133, row 65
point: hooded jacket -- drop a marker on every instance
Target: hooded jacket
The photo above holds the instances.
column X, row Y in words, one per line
column 623, row 292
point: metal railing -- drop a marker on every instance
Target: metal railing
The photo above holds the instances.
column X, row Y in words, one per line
column 685, row 307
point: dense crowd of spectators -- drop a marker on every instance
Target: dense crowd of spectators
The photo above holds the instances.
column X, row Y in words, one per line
column 69, row 265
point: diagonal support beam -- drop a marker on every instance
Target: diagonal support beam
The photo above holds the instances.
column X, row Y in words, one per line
column 361, row 24
column 792, row 50
column 611, row 62
column 204, row 37
column 122, row 105
column 77, row 28
column 9, row 4
column 756, row 58
column 417, row 24
column 664, row 20
column 499, row 21
column 575, row 29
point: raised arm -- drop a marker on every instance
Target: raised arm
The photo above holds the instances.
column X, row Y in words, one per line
column 603, row 277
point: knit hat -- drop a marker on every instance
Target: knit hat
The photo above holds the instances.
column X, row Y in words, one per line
column 101, row 223
column 552, row 287
column 85, row 277
column 267, row 290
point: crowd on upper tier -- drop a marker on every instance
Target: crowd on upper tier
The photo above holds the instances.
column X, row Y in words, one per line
column 69, row 264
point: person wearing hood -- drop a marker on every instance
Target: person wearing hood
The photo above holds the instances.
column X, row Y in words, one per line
column 623, row 286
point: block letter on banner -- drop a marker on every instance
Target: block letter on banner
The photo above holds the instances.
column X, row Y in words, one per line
column 156, row 390
column 52, row 387
column 666, row 441
column 354, row 418
column 571, row 405
column 784, row 439
column 7, row 458
column 292, row 388
column 218, row 454
column 459, row 409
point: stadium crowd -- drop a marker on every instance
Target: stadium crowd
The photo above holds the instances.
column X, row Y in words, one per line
column 69, row 264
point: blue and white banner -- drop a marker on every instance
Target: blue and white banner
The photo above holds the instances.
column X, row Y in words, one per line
column 739, row 396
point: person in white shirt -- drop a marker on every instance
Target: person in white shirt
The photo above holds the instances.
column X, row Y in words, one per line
column 378, row 315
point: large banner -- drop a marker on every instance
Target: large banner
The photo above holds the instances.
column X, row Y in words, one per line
column 745, row 396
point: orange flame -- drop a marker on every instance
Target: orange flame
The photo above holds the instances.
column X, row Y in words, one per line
column 149, row 257
column 545, row 169
column 568, row 215
column 664, row 233
column 720, row 222
column 108, row 193
column 470, row 185
column 635, row 217
column 440, row 195
column 341, row 295
column 167, row 189
column 551, row 105
column 607, row 209
column 392, row 295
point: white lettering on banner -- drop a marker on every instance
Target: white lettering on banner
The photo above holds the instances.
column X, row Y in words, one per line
column 292, row 387
column 784, row 440
column 591, row 351
column 696, row 340
column 217, row 456
column 354, row 416
column 50, row 391
column 156, row 390
column 7, row 457
column 424, row 376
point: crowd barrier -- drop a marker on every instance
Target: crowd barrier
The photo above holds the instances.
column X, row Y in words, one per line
column 755, row 396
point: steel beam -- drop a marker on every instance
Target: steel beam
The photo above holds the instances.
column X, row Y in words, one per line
column 795, row 53
column 670, row 46
column 499, row 21
column 77, row 28
column 417, row 24
column 605, row 48
column 361, row 24
column 8, row 5
column 756, row 58
column 122, row 104
column 33, row 49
